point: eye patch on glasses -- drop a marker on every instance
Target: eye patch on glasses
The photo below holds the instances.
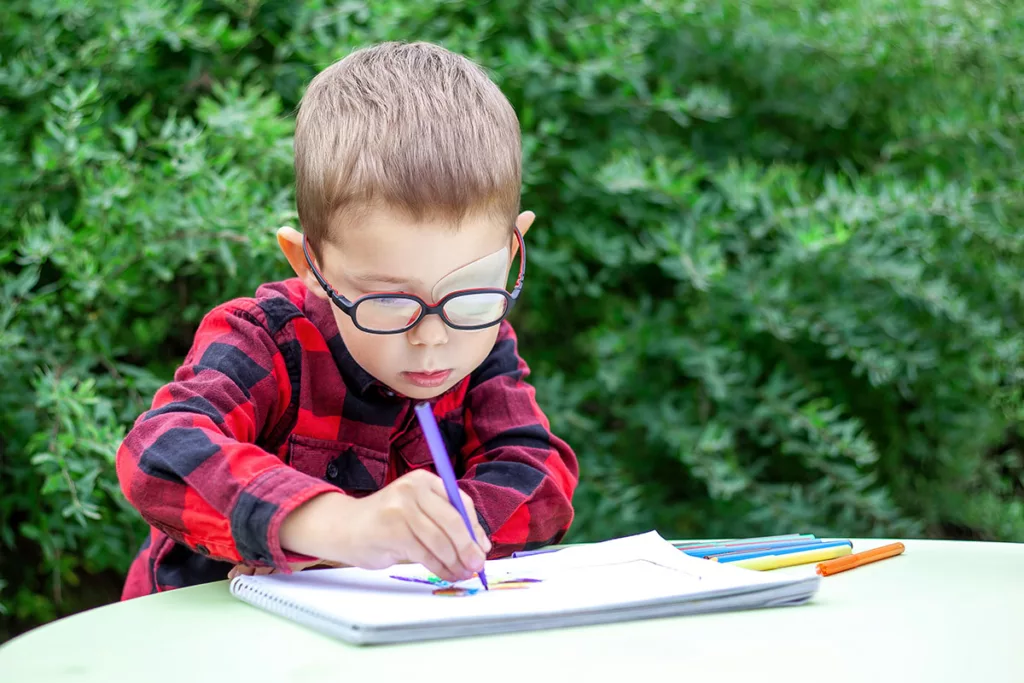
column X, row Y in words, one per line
column 491, row 271
column 468, row 309
column 472, row 297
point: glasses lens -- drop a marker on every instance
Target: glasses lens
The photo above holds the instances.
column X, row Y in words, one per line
column 387, row 314
column 476, row 308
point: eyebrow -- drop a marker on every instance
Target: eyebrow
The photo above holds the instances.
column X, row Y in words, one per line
column 376, row 278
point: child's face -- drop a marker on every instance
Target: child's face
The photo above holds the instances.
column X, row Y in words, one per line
column 387, row 252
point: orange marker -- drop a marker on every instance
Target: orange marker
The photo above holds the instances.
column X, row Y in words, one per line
column 841, row 564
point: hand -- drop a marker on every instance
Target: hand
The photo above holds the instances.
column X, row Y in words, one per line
column 410, row 520
column 246, row 570
column 413, row 520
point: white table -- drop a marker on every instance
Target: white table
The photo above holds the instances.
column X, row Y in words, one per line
column 942, row 611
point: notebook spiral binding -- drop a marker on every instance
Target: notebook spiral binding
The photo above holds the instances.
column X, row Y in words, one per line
column 247, row 592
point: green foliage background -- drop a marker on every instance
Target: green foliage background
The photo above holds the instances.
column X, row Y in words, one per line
column 776, row 278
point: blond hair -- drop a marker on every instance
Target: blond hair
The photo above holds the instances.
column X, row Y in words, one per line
column 412, row 127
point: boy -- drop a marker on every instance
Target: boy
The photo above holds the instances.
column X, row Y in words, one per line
column 288, row 438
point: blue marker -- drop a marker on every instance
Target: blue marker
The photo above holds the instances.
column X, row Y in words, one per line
column 749, row 547
column 779, row 551
column 539, row 551
column 444, row 468
column 723, row 542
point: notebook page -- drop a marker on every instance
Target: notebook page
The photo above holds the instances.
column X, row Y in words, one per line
column 625, row 571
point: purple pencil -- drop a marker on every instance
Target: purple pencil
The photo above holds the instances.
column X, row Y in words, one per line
column 444, row 468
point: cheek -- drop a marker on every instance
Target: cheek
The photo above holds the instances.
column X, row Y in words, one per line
column 371, row 351
column 475, row 346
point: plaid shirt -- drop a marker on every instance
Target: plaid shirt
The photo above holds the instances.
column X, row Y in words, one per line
column 269, row 410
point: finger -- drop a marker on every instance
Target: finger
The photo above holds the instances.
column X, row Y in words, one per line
column 432, row 536
column 441, row 510
column 421, row 554
column 438, row 569
column 470, row 557
column 435, row 541
column 240, row 570
column 263, row 571
column 437, row 486
column 474, row 518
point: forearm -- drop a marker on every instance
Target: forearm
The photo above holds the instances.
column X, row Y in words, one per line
column 317, row 527
column 191, row 465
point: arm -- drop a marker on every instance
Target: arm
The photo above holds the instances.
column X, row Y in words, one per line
column 190, row 464
column 520, row 476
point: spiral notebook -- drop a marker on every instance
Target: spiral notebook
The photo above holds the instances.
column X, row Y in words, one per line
column 636, row 577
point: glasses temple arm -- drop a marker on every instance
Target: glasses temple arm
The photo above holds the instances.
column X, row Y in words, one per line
column 320, row 278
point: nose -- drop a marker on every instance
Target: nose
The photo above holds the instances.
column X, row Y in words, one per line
column 431, row 331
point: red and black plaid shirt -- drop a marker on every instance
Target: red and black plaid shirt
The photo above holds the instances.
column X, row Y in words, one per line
column 270, row 410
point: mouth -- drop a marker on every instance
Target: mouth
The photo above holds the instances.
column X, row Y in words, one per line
column 434, row 378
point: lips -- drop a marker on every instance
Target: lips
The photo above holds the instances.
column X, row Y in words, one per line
column 434, row 378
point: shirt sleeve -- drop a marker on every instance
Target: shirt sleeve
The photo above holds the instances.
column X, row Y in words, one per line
column 191, row 466
column 520, row 476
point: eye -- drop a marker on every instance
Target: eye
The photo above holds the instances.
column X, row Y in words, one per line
column 391, row 301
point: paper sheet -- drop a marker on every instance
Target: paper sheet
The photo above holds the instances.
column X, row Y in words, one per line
column 631, row 570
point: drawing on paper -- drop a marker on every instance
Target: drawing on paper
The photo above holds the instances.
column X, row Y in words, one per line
column 447, row 588
column 430, row 580
column 502, row 585
column 456, row 592
column 512, row 584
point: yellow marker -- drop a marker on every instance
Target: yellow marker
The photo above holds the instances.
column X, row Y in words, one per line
column 769, row 562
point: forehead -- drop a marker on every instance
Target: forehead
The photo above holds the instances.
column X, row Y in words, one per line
column 383, row 243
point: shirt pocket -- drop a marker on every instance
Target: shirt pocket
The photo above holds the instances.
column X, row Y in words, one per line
column 355, row 469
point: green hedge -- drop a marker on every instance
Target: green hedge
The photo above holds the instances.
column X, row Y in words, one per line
column 775, row 279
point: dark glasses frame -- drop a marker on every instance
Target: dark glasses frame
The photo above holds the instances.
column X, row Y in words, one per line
column 349, row 307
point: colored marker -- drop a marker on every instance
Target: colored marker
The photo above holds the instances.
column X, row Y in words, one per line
column 708, row 553
column 769, row 562
column 735, row 557
column 538, row 551
column 859, row 559
column 443, row 463
column 694, row 545
column 686, row 546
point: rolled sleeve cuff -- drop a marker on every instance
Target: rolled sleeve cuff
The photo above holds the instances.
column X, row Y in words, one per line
column 262, row 507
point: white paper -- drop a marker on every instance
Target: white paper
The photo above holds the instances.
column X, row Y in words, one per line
column 628, row 571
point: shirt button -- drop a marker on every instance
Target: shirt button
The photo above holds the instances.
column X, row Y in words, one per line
column 332, row 471
column 388, row 392
column 202, row 550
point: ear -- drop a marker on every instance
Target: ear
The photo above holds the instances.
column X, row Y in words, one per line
column 290, row 241
column 523, row 222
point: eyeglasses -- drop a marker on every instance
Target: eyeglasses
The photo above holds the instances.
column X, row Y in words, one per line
column 397, row 312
